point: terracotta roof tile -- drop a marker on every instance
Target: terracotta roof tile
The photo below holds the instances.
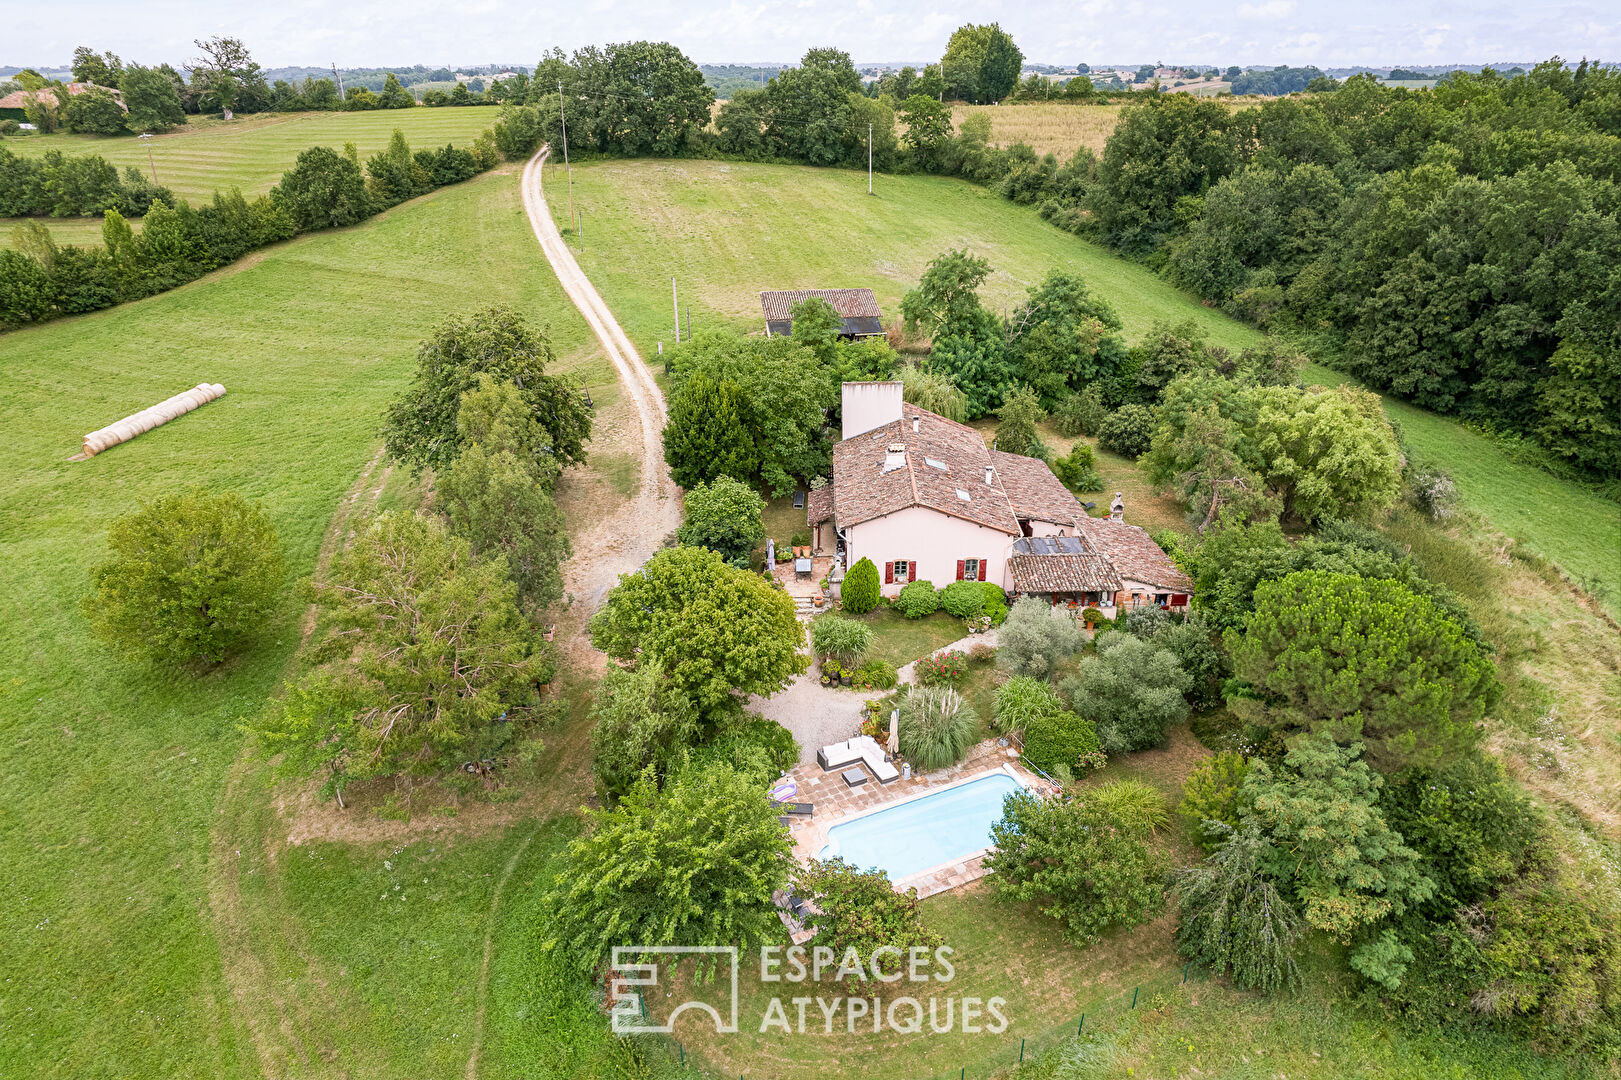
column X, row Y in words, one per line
column 1034, row 491
column 1063, row 573
column 849, row 303
column 939, row 463
column 1133, row 553
column 819, row 505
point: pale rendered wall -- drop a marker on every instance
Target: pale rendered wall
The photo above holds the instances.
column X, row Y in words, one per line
column 933, row 540
column 868, row 405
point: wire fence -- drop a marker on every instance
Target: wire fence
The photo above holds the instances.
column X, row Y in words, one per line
column 1096, row 1016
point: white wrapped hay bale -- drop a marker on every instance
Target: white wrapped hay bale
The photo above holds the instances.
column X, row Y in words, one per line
column 149, row 418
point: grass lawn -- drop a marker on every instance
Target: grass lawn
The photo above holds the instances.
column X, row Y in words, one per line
column 113, row 776
column 729, row 230
column 252, row 152
column 899, row 640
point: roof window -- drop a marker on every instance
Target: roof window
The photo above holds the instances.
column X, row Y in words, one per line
column 935, row 463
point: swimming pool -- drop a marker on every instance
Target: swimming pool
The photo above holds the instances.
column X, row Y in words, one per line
column 916, row 835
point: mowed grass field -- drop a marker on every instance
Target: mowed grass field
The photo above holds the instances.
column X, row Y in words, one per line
column 114, row 776
column 727, row 231
column 251, row 152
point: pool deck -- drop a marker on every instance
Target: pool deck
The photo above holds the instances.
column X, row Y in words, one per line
column 836, row 803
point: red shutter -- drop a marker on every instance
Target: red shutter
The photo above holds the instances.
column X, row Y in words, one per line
column 982, row 569
column 959, row 569
column 911, row 571
column 889, row 572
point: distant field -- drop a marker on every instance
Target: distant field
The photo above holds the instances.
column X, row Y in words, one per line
column 731, row 230
column 1057, row 129
column 112, row 777
column 250, row 153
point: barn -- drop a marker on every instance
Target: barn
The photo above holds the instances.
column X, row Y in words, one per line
column 857, row 307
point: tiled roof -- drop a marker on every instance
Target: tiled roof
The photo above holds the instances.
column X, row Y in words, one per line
column 1034, row 491
column 1133, row 553
column 850, row 303
column 941, row 466
column 1062, row 574
column 819, row 506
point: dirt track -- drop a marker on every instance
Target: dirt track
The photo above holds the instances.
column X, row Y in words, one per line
column 622, row 541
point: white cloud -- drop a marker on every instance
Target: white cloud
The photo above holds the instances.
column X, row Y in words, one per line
column 1271, row 9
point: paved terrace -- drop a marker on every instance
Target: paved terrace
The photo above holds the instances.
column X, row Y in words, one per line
column 835, row 802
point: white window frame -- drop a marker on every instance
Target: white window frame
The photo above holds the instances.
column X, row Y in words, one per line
column 970, row 569
column 901, row 571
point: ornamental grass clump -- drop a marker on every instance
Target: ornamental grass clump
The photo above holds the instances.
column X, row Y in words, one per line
column 1022, row 699
column 937, row 727
column 844, row 640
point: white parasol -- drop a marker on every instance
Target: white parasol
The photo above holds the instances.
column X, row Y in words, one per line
column 895, row 731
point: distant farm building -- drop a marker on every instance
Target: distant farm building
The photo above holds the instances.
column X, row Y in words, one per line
column 14, row 105
column 857, row 307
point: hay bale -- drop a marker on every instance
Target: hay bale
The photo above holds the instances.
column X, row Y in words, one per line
column 151, row 417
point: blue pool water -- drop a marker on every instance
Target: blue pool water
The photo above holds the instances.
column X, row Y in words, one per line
column 925, row 832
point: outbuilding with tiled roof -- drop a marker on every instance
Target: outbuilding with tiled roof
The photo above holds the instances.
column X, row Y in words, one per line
column 857, row 307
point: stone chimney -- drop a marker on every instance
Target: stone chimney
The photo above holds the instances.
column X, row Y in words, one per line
column 1117, row 509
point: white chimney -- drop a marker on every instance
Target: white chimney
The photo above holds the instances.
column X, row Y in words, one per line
column 989, row 472
column 1117, row 509
column 868, row 405
column 915, row 421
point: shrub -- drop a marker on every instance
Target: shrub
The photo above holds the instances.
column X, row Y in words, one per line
column 917, row 599
column 995, row 602
column 1233, row 918
column 1023, row 699
column 1132, row 691
column 937, row 726
column 876, row 675
column 859, row 590
column 963, row 599
column 1035, row 637
column 1194, row 643
column 1433, row 492
column 1016, row 434
column 1134, row 803
column 844, row 640
column 724, row 516
column 981, row 653
column 1078, row 471
column 1062, row 739
column 1082, row 865
column 1127, row 431
column 1080, row 414
column 1210, row 797
column 191, row 577
column 640, row 722
column 753, row 745
column 859, row 909
column 946, row 667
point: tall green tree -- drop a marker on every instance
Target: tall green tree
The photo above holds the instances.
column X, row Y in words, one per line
column 1331, row 848
column 94, row 112
column 694, row 864
column 1232, row 918
column 428, row 664
column 1019, row 415
column 191, row 577
column 103, row 69
column 152, row 100
column 419, row 427
column 1367, row 661
column 324, row 190
column 1078, row 862
column 707, row 436
column 642, row 726
column 981, row 64
column 718, row 631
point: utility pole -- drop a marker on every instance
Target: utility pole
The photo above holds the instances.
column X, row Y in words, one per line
column 146, row 137
column 563, row 119
column 675, row 302
column 338, row 79
column 579, row 229
column 869, row 159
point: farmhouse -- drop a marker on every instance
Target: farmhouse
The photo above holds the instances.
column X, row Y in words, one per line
column 857, row 307
column 924, row 498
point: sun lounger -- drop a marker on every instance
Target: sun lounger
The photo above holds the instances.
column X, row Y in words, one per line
column 802, row 809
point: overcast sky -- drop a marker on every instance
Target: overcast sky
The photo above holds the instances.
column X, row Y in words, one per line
column 364, row 33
